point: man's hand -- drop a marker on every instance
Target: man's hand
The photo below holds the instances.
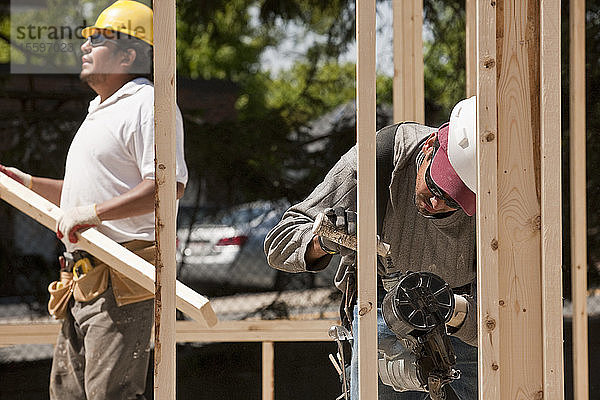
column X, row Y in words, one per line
column 76, row 219
column 17, row 175
column 344, row 221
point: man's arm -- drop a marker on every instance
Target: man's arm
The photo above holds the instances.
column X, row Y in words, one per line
column 45, row 187
column 290, row 246
column 468, row 331
column 137, row 201
column 314, row 252
column 48, row 188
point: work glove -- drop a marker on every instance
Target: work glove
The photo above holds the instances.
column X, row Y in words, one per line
column 76, row 219
column 17, row 175
column 344, row 221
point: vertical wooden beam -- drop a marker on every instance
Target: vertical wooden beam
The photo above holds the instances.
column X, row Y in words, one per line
column 551, row 229
column 577, row 160
column 488, row 298
column 527, row 267
column 165, row 208
column 268, row 371
column 471, row 47
column 519, row 252
column 367, row 215
column 408, row 86
column 519, row 211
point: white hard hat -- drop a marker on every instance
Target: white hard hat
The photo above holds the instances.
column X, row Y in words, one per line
column 462, row 145
column 453, row 168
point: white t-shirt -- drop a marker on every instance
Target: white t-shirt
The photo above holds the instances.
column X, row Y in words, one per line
column 112, row 152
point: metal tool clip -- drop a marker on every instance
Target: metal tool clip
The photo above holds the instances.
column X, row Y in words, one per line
column 339, row 333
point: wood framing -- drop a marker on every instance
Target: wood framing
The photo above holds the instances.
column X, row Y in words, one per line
column 107, row 250
column 268, row 371
column 165, row 209
column 519, row 271
column 408, row 86
column 367, row 214
column 471, row 47
column 551, row 209
column 487, row 206
column 577, row 143
column 191, row 331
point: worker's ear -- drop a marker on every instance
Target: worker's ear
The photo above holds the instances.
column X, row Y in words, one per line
column 429, row 143
column 128, row 57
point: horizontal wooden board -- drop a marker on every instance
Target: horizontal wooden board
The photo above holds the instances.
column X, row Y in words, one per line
column 105, row 249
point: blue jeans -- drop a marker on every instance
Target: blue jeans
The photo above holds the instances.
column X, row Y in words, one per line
column 466, row 361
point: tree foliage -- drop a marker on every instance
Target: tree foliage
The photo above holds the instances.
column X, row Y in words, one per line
column 250, row 157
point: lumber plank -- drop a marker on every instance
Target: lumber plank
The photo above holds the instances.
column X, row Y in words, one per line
column 268, row 371
column 471, row 47
column 190, row 331
column 578, row 198
column 487, row 206
column 134, row 267
column 519, row 209
column 165, row 110
column 408, row 83
column 367, row 215
column 551, row 212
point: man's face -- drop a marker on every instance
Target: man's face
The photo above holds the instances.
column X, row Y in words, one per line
column 99, row 61
column 427, row 204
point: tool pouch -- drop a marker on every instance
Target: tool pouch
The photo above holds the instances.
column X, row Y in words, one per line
column 60, row 293
column 92, row 284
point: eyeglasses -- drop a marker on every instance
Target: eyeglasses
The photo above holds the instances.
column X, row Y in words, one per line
column 99, row 39
column 435, row 189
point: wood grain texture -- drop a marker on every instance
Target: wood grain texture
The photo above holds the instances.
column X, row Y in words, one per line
column 551, row 190
column 165, row 199
column 471, row 47
column 488, row 298
column 268, row 371
column 578, row 200
column 191, row 331
column 367, row 215
column 519, row 219
column 408, row 85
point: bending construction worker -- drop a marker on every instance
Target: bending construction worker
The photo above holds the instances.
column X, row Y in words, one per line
column 103, row 347
column 428, row 223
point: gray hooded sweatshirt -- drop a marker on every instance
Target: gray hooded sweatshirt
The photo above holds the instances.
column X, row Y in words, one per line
column 443, row 246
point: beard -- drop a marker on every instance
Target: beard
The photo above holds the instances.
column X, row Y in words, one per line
column 92, row 79
column 419, row 201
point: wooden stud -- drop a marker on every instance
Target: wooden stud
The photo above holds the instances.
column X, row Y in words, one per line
column 519, row 252
column 190, row 331
column 577, row 158
column 551, row 211
column 165, row 204
column 367, row 215
column 408, row 85
column 519, row 211
column 268, row 371
column 105, row 249
column 488, row 298
column 471, row 47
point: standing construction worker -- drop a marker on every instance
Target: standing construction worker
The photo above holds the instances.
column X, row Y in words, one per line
column 428, row 221
column 103, row 347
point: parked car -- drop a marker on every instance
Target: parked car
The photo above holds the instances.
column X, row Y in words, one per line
column 223, row 253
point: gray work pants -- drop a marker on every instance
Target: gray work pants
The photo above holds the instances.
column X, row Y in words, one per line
column 102, row 351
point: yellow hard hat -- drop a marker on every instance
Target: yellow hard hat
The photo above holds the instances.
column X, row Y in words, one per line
column 125, row 16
